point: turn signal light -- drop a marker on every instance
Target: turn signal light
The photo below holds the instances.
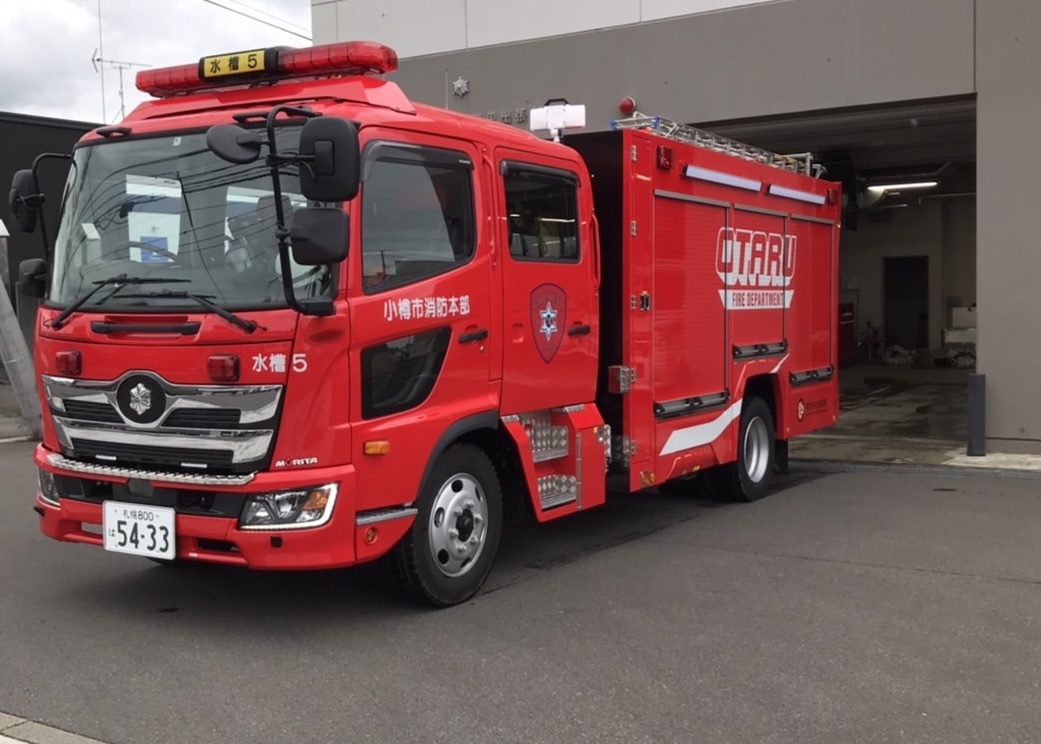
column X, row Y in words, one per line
column 223, row 367
column 67, row 363
column 376, row 447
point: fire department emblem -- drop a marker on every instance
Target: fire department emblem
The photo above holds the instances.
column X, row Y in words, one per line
column 548, row 316
column 141, row 399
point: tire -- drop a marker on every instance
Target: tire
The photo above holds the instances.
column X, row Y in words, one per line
column 448, row 553
column 749, row 478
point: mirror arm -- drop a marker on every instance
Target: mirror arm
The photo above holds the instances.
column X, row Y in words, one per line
column 38, row 206
column 274, row 159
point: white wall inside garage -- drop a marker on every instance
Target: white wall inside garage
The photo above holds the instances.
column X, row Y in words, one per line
column 944, row 230
column 416, row 28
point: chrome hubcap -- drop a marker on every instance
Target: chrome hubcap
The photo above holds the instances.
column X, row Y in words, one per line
column 458, row 525
column 757, row 449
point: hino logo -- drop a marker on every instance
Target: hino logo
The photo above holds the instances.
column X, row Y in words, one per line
column 140, row 399
column 756, row 268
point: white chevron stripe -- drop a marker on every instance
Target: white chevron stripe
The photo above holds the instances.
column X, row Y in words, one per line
column 704, row 433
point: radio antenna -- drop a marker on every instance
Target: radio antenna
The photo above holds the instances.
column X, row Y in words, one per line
column 99, row 62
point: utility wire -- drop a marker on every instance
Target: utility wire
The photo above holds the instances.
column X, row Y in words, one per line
column 258, row 20
column 272, row 16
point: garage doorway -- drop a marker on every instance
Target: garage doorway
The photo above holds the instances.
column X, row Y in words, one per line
column 905, row 282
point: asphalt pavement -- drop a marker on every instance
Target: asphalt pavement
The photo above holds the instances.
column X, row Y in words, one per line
column 846, row 607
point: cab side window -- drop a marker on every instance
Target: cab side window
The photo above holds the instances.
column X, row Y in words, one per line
column 417, row 215
column 542, row 214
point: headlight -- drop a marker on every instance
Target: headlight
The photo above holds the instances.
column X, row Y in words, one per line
column 48, row 489
column 289, row 510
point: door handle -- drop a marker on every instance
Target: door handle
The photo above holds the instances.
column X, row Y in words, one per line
column 478, row 335
column 578, row 330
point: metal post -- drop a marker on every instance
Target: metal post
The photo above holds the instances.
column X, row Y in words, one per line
column 977, row 415
column 14, row 353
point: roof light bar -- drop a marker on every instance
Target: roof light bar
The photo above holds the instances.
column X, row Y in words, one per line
column 273, row 63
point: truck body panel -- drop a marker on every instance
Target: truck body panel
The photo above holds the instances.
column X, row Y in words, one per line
column 720, row 281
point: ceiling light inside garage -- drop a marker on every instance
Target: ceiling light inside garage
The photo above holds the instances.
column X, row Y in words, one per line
column 902, row 186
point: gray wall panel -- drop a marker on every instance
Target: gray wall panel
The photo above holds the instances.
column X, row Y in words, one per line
column 1008, row 258
column 759, row 60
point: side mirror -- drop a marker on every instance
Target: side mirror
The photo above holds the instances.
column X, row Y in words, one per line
column 24, row 201
column 318, row 236
column 330, row 167
column 233, row 143
column 32, row 277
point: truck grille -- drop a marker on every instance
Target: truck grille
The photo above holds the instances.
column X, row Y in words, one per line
column 140, row 421
column 175, row 458
column 87, row 411
column 203, row 418
column 183, row 418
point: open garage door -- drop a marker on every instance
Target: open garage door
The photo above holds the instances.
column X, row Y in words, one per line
column 907, row 303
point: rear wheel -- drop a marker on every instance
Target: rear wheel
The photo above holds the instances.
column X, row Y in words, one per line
column 447, row 555
column 749, row 478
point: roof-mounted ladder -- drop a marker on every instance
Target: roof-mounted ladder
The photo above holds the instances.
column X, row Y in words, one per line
column 801, row 163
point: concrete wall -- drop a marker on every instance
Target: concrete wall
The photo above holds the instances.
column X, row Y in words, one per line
column 1008, row 173
column 434, row 26
column 754, row 60
column 959, row 253
column 942, row 230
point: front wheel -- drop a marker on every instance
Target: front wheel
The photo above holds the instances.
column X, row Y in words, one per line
column 448, row 553
column 749, row 478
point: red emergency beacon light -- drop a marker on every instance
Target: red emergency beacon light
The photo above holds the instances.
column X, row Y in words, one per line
column 274, row 63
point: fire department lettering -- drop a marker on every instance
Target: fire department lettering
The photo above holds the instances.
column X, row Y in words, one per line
column 426, row 307
column 756, row 269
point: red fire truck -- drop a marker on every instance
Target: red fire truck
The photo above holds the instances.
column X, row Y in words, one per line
column 293, row 320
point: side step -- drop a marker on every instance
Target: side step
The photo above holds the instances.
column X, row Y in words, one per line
column 548, row 442
column 564, row 454
column 557, row 490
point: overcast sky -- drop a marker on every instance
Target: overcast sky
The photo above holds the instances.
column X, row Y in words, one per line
column 46, row 46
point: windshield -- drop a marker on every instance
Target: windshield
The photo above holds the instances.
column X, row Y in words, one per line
column 166, row 208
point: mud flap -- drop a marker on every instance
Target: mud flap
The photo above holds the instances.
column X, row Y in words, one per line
column 781, row 456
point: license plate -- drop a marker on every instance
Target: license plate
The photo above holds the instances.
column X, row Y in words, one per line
column 139, row 530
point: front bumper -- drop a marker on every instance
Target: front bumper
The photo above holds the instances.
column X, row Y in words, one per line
column 207, row 516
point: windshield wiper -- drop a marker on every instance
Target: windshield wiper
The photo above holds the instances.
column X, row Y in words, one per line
column 247, row 325
column 121, row 281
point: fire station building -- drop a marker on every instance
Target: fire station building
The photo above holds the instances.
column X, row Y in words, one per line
column 928, row 112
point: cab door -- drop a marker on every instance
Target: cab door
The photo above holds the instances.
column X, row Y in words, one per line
column 423, row 324
column 549, row 261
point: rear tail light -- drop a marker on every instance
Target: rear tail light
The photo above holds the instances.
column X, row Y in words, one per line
column 223, row 367
column 68, row 363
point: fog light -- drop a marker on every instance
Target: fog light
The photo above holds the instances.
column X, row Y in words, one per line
column 288, row 510
column 48, row 488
